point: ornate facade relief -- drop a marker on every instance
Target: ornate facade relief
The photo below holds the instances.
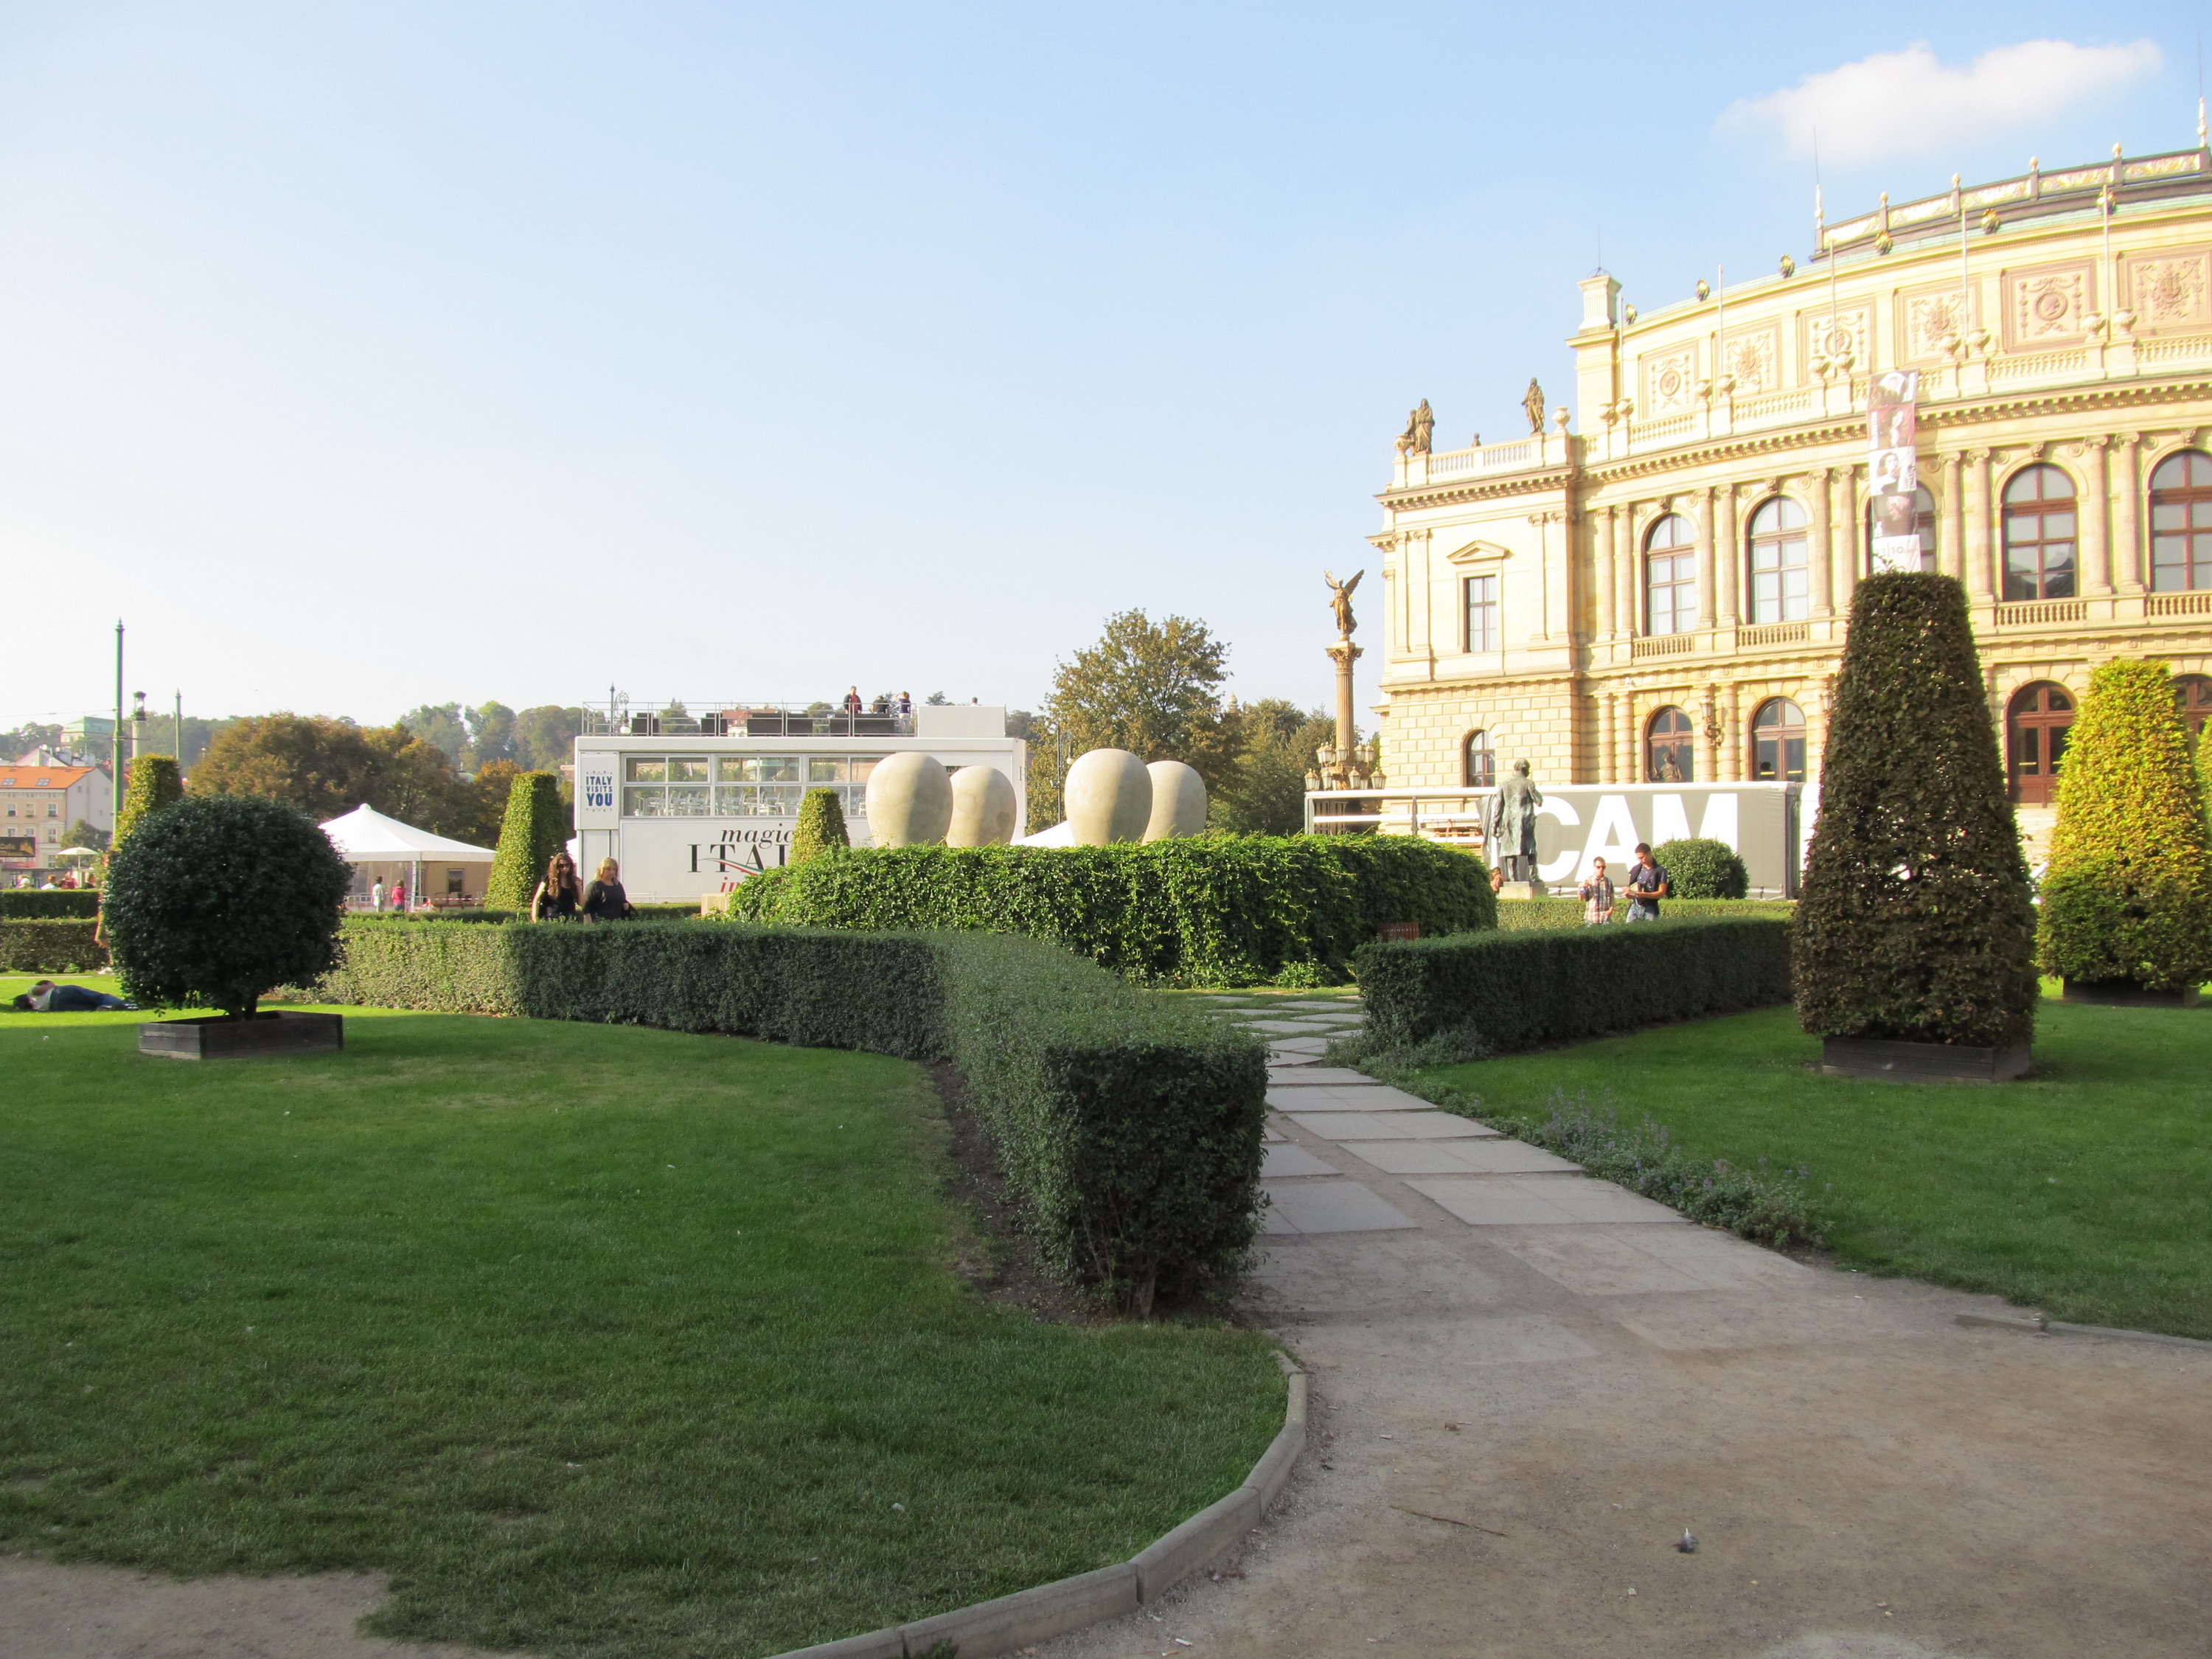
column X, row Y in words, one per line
column 1846, row 332
column 1754, row 358
column 1928, row 320
column 2171, row 291
column 2047, row 306
column 1670, row 382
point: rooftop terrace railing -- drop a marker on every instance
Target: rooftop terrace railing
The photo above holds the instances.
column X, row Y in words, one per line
column 715, row 717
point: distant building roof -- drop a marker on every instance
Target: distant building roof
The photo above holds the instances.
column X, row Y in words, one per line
column 41, row 777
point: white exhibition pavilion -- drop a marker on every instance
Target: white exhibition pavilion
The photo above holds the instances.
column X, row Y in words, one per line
column 690, row 805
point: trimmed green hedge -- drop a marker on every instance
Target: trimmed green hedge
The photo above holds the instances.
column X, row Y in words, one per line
column 51, row 945
column 1204, row 910
column 1526, row 990
column 1528, row 915
column 37, row 903
column 1128, row 1127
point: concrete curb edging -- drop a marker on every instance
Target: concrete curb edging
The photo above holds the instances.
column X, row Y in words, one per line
column 1036, row 1615
column 2036, row 1325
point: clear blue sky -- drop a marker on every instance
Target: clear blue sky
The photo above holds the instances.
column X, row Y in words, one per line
column 367, row 354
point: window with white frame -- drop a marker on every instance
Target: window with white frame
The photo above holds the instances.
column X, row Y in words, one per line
column 1482, row 613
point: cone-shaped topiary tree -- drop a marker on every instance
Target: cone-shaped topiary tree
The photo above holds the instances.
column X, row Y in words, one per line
column 155, row 783
column 219, row 899
column 536, row 827
column 821, row 826
column 1915, row 924
column 2128, row 897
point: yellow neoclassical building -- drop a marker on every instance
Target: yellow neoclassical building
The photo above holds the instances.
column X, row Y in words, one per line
column 1654, row 588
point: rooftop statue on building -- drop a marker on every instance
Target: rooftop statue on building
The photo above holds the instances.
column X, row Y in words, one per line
column 1513, row 823
column 1533, row 407
column 1420, row 425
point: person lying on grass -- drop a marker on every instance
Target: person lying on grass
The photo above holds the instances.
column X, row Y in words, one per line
column 47, row 997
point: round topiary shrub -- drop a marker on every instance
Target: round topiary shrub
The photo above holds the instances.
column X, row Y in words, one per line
column 1915, row 923
column 2128, row 897
column 1700, row 869
column 219, row 899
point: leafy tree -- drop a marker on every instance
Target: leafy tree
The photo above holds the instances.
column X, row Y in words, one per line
column 156, row 784
column 491, row 737
column 488, row 794
column 323, row 766
column 2129, row 893
column 936, row 700
column 442, row 726
column 217, row 900
column 1152, row 688
column 82, row 833
column 535, row 828
column 821, row 826
column 545, row 736
column 1915, row 923
column 1277, row 740
column 326, row 767
column 14, row 745
column 1700, row 869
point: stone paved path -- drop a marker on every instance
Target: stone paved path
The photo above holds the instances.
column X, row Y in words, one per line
column 1528, row 1382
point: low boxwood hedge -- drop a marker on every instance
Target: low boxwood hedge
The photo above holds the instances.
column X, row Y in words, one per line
column 1522, row 915
column 42, row 903
column 1526, row 990
column 1128, row 1127
column 1208, row 910
column 51, row 947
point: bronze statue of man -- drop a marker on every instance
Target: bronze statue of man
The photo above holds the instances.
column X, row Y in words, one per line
column 1513, row 824
column 1340, row 600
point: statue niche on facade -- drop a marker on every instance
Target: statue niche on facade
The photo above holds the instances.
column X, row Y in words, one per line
column 1512, row 824
column 1419, row 426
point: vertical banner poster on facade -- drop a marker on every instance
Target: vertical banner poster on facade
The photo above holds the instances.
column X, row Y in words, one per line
column 1893, row 468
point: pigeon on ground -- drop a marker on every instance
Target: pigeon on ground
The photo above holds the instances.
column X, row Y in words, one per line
column 1688, row 1543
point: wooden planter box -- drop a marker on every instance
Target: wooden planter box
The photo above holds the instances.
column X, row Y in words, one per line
column 1921, row 1062
column 216, row 1037
column 2126, row 993
column 1399, row 932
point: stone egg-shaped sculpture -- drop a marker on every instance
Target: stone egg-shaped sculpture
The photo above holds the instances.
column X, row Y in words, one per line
column 910, row 801
column 1178, row 801
column 983, row 808
column 1110, row 798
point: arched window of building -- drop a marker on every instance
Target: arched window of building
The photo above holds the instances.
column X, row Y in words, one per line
column 2192, row 697
column 1670, row 576
column 1781, row 551
column 1479, row 764
column 2181, row 522
column 2038, row 535
column 1923, row 525
column 1777, row 742
column 1670, row 750
column 2036, row 721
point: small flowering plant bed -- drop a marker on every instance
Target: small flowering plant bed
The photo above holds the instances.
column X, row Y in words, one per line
column 597, row 1339
column 2082, row 1192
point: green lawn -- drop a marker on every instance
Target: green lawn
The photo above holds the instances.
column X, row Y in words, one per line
column 2085, row 1191
column 598, row 1340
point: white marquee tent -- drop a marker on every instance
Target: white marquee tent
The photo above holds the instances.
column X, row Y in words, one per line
column 371, row 842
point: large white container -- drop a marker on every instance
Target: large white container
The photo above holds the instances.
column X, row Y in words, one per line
column 910, row 801
column 983, row 808
column 1110, row 798
column 1178, row 801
